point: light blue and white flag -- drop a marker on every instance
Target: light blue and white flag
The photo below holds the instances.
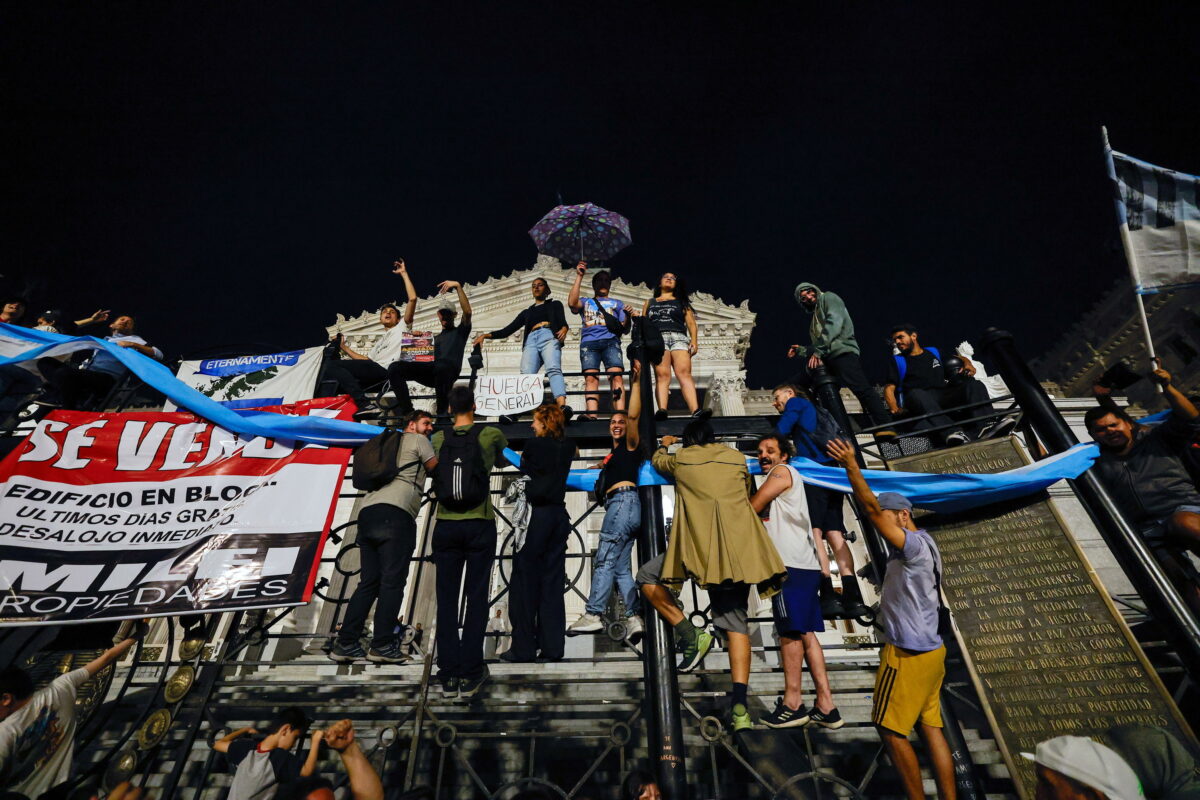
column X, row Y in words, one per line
column 254, row 381
column 1159, row 213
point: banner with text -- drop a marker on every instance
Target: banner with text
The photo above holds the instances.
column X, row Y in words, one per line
column 119, row 516
column 507, row 394
column 254, row 381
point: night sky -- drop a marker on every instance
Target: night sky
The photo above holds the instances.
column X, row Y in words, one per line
column 243, row 172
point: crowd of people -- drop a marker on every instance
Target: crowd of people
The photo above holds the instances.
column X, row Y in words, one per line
column 730, row 535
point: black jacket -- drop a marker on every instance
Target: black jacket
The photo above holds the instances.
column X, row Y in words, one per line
column 554, row 309
column 547, row 462
column 1151, row 481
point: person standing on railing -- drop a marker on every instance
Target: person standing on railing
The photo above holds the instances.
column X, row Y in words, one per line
column 670, row 311
column 545, row 325
column 912, row 663
column 807, row 426
column 605, row 321
column 387, row 536
column 537, row 608
column 920, row 381
column 797, row 607
column 37, row 727
column 617, row 485
column 834, row 347
column 718, row 541
column 448, row 346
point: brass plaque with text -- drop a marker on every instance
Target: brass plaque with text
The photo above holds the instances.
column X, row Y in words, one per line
column 1047, row 650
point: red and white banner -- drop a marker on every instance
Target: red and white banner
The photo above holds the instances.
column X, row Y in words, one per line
column 118, row 516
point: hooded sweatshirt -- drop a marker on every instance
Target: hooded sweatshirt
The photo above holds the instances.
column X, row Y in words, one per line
column 831, row 329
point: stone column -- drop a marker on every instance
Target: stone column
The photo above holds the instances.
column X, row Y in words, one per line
column 729, row 389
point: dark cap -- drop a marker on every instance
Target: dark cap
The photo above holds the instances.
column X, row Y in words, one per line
column 53, row 315
column 891, row 501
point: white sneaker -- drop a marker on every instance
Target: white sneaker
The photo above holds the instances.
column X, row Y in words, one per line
column 634, row 630
column 956, row 438
column 588, row 623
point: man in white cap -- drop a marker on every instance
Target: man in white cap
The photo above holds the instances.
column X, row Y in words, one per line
column 1075, row 768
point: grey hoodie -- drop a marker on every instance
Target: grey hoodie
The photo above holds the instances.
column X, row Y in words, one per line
column 831, row 329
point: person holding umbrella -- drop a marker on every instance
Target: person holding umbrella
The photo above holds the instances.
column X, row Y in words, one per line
column 545, row 324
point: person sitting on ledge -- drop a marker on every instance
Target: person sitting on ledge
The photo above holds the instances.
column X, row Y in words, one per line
column 97, row 379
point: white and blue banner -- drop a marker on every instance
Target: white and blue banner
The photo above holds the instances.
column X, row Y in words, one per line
column 254, row 381
column 1158, row 210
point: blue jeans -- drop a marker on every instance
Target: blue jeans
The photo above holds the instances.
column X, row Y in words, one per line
column 594, row 352
column 542, row 348
column 622, row 518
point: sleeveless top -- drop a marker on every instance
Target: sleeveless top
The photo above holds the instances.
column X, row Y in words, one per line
column 622, row 465
column 789, row 526
column 667, row 315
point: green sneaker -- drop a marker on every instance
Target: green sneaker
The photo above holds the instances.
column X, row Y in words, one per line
column 741, row 718
column 695, row 651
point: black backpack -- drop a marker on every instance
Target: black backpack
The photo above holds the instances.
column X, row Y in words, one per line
column 459, row 480
column 827, row 429
column 375, row 460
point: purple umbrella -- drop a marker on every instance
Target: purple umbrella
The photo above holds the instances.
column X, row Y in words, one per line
column 584, row 232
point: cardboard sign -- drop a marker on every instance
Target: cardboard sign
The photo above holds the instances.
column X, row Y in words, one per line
column 508, row 394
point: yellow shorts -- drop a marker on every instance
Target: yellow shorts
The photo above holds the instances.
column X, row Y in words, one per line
column 907, row 689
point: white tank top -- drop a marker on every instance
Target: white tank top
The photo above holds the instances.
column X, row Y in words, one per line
column 789, row 525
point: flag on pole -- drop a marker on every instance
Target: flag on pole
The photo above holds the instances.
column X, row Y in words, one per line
column 1159, row 213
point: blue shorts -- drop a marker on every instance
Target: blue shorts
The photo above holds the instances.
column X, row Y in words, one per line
column 797, row 607
column 593, row 352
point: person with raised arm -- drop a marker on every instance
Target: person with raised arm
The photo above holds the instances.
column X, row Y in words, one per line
column 605, row 319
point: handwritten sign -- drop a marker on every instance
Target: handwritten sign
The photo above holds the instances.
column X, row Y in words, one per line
column 507, row 394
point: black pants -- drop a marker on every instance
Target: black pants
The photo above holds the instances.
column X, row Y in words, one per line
column 848, row 369
column 537, row 608
column 929, row 401
column 459, row 543
column 438, row 375
column 354, row 376
column 387, row 536
column 75, row 386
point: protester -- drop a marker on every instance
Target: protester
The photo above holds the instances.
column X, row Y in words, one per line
column 617, row 486
column 670, row 311
column 1166, row 769
column 1144, row 469
column 12, row 310
column 55, row 321
column 364, row 780
column 37, row 726
column 919, row 383
column 806, row 426
column 718, row 541
column 536, row 607
column 261, row 766
column 448, row 346
column 912, row 663
column 464, row 538
column 605, row 319
column 545, row 326
column 835, row 348
column 387, row 536
column 797, row 607
column 19, row 381
column 97, row 379
column 639, row 784
column 1076, row 768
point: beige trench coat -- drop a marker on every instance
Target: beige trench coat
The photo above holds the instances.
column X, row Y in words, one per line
column 716, row 537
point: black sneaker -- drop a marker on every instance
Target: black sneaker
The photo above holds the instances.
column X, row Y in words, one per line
column 784, row 717
column 390, row 653
column 855, row 609
column 469, row 687
column 702, row 413
column 369, row 410
column 998, row 428
column 830, row 719
column 450, row 687
column 831, row 607
column 347, row 653
column 660, row 415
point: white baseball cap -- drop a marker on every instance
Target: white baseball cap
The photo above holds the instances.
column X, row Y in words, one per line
column 1090, row 763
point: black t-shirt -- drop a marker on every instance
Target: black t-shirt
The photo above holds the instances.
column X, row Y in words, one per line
column 547, row 461
column 667, row 315
column 621, row 465
column 448, row 345
column 921, row 372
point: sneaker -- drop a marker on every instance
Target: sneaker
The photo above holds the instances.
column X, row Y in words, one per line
column 702, row 413
column 390, row 653
column 660, row 415
column 829, row 719
column 506, row 419
column 347, row 653
column 469, row 687
column 831, row 607
column 588, row 623
column 998, row 428
column 740, row 718
column 695, row 651
column 956, row 438
column 450, row 687
column 367, row 411
column 854, row 609
column 784, row 717
column 634, row 629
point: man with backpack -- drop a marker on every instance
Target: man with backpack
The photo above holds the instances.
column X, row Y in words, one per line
column 465, row 537
column 394, row 477
column 605, row 320
column 811, row 428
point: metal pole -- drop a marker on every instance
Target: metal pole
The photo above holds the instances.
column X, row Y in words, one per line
column 966, row 774
column 665, row 727
column 1163, row 601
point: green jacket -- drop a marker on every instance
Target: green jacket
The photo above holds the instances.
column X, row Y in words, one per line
column 831, row 329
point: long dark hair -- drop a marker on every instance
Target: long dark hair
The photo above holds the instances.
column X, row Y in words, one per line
column 680, row 291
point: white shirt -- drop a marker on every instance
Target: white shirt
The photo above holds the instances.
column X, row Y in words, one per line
column 790, row 527
column 387, row 347
column 38, row 741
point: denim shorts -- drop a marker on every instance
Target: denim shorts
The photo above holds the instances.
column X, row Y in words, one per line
column 594, row 352
column 674, row 340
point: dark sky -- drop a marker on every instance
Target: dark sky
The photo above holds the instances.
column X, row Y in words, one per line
column 242, row 172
